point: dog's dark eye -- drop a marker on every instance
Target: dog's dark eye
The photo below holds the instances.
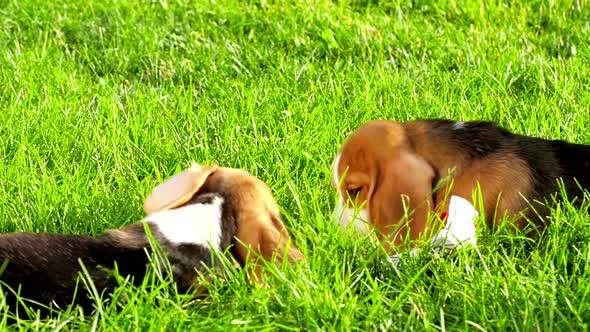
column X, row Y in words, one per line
column 353, row 193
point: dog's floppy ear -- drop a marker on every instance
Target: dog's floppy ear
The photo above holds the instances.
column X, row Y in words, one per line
column 401, row 197
column 264, row 239
column 178, row 189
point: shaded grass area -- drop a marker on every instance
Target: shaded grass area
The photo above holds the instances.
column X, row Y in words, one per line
column 102, row 100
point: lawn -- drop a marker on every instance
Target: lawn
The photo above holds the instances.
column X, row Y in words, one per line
column 102, row 100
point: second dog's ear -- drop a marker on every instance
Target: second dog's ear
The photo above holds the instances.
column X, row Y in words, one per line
column 263, row 238
column 178, row 189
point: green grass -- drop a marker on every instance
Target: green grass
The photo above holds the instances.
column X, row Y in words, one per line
column 101, row 100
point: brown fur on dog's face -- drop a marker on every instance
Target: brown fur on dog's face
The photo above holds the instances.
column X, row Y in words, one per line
column 384, row 174
column 261, row 233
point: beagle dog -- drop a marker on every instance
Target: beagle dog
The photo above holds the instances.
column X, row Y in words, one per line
column 396, row 177
column 197, row 211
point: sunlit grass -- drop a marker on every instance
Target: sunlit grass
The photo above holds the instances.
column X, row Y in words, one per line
column 101, row 100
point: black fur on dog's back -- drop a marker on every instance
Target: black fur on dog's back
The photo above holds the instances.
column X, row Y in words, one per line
column 46, row 266
column 574, row 160
column 548, row 160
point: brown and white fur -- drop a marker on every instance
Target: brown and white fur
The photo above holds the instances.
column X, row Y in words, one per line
column 390, row 172
column 201, row 209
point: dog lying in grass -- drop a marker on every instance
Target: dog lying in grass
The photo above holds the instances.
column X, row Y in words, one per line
column 397, row 174
column 201, row 209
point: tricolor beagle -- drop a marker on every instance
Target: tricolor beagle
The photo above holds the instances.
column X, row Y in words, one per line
column 203, row 208
column 390, row 175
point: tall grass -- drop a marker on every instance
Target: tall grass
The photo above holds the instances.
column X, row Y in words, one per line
column 101, row 100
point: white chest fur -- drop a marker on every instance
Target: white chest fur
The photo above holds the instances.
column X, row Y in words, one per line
column 191, row 224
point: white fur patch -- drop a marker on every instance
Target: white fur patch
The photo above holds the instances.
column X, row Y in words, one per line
column 345, row 216
column 336, row 176
column 459, row 125
column 460, row 228
column 458, row 232
column 194, row 223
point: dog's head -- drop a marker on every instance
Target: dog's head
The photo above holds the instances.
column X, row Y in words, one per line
column 383, row 183
column 261, row 234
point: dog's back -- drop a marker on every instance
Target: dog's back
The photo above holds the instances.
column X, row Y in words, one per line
column 574, row 160
column 548, row 161
column 45, row 268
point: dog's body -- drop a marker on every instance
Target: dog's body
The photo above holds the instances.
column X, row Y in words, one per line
column 46, row 267
column 383, row 162
column 200, row 210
